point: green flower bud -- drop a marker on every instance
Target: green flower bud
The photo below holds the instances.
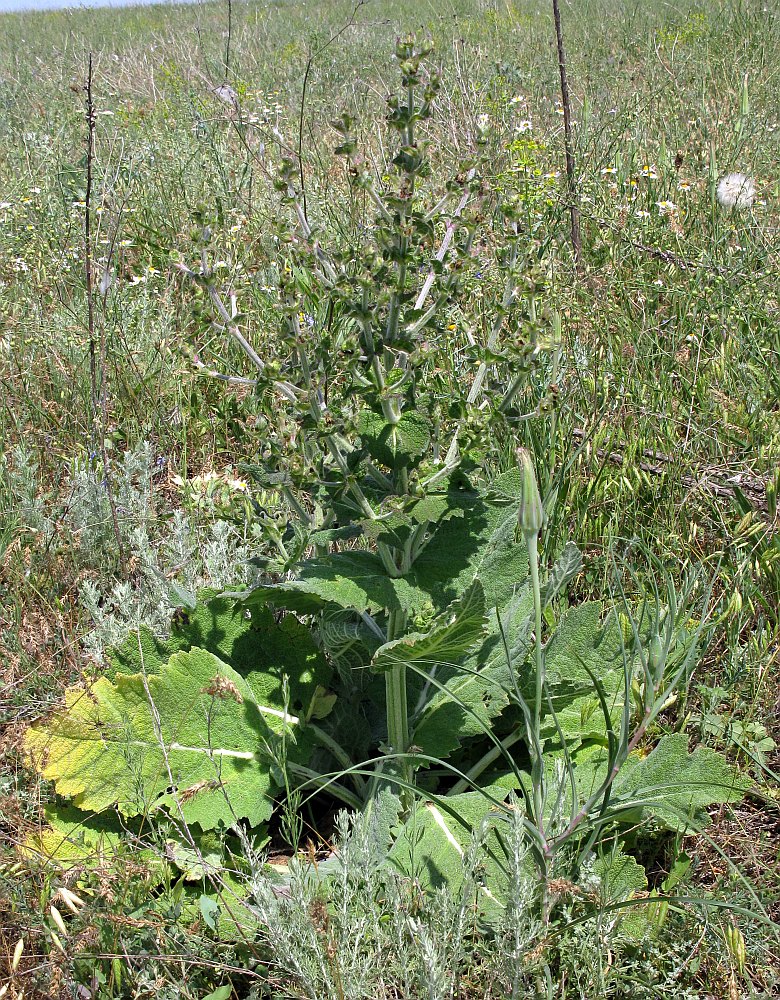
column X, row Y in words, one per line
column 657, row 654
column 531, row 514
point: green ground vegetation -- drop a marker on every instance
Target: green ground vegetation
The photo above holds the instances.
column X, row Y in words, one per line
column 142, row 460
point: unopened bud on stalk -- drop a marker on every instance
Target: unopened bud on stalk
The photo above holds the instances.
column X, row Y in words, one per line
column 531, row 514
column 734, row 607
column 657, row 654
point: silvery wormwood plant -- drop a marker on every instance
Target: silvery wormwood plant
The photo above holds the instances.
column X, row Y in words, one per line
column 406, row 636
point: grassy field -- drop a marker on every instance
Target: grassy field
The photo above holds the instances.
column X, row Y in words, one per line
column 654, row 412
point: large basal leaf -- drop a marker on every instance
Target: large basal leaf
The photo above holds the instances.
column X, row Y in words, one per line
column 582, row 640
column 257, row 646
column 679, row 785
column 669, row 785
column 191, row 737
column 620, row 875
column 69, row 837
column 433, row 843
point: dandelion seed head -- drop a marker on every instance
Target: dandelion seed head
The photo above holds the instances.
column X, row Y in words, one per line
column 226, row 94
column 736, row 191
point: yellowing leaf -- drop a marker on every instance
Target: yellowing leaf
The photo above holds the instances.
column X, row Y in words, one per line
column 191, row 738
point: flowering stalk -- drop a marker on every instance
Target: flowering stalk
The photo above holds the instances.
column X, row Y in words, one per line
column 531, row 521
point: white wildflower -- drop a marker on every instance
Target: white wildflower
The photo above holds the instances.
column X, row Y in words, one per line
column 736, row 191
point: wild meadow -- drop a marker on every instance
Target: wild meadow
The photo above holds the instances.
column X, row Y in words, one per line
column 389, row 553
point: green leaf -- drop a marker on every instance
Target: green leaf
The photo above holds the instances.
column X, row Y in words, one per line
column 675, row 787
column 582, row 640
column 349, row 641
column 621, row 876
column 394, row 444
column 447, row 642
column 192, row 737
column 209, row 910
column 71, row 837
column 508, row 486
column 478, row 543
column 257, row 646
column 321, row 704
column 432, row 845
column 375, row 826
column 474, row 695
column 567, row 566
column 203, row 859
column 356, row 580
column 142, row 650
column 220, row 993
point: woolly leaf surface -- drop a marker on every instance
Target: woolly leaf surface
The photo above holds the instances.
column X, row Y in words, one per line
column 446, row 643
column 165, row 740
column 432, row 846
column 566, row 567
column 620, row 875
column 391, row 444
column 474, row 695
column 582, row 641
column 480, row 544
column 69, row 837
column 256, row 646
column 679, row 785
